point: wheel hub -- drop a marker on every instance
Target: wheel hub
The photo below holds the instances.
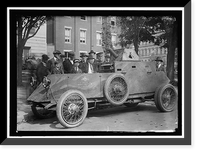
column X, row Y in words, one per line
column 73, row 108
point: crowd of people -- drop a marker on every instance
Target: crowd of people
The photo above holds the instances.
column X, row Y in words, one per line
column 89, row 63
column 60, row 64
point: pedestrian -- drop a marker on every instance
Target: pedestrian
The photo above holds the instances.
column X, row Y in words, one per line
column 42, row 69
column 76, row 68
column 68, row 63
column 54, row 61
column 91, row 67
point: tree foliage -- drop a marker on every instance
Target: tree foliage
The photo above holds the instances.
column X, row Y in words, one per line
column 24, row 26
column 106, row 33
column 161, row 30
column 130, row 30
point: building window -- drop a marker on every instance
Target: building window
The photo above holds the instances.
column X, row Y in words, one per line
column 66, row 53
column 99, row 39
column 68, row 34
column 113, row 21
column 83, row 36
column 83, row 18
column 99, row 19
column 113, row 39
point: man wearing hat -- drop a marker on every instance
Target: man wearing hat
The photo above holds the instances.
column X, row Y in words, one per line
column 76, row 68
column 92, row 53
column 83, row 61
column 91, row 67
column 42, row 69
column 68, row 63
column 55, row 60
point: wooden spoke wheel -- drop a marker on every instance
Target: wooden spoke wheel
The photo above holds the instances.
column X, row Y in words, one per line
column 72, row 108
column 116, row 89
column 166, row 97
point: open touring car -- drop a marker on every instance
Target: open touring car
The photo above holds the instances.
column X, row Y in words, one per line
column 128, row 83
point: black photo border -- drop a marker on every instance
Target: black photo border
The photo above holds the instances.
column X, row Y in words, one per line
column 186, row 140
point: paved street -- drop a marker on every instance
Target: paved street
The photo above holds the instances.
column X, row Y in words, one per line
column 145, row 117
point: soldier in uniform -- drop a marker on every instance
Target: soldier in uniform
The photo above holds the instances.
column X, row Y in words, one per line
column 56, row 62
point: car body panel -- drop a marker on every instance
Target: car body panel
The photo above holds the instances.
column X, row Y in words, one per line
column 142, row 78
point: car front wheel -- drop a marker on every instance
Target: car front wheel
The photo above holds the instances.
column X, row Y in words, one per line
column 72, row 108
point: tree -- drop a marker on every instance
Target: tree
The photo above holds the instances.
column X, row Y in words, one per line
column 166, row 27
column 106, row 33
column 24, row 25
column 130, row 30
column 136, row 29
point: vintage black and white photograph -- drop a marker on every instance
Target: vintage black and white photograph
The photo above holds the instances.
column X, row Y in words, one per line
column 97, row 72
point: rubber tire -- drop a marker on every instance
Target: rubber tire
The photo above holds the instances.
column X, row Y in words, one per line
column 106, row 86
column 158, row 94
column 40, row 116
column 59, row 108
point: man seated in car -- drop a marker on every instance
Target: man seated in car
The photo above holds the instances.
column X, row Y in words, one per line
column 91, row 67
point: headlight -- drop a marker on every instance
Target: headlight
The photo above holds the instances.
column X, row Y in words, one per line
column 46, row 82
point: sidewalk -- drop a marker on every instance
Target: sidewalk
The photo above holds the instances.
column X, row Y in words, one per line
column 23, row 108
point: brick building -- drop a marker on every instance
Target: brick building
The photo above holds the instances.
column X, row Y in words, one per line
column 78, row 34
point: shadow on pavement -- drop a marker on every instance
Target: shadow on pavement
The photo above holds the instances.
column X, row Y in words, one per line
column 122, row 109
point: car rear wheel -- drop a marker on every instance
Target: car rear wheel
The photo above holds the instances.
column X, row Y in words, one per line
column 40, row 112
column 72, row 108
column 116, row 89
column 166, row 98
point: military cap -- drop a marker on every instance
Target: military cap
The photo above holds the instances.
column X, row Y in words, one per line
column 56, row 52
column 92, row 52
